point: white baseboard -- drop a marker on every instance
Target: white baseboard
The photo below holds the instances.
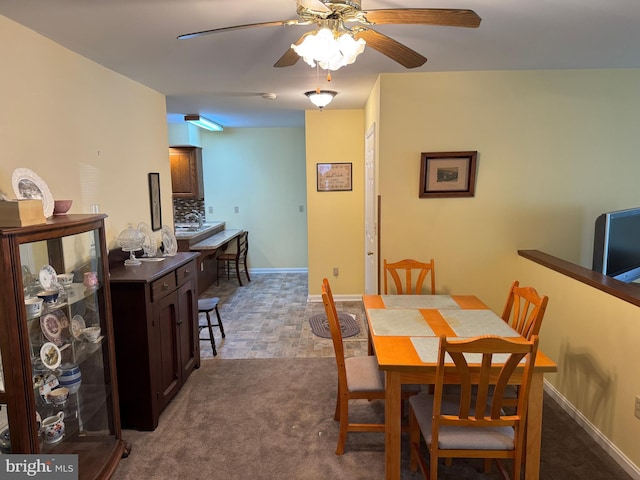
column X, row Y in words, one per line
column 277, row 270
column 336, row 298
column 620, row 458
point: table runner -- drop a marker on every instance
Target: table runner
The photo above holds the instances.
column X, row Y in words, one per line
column 419, row 301
column 399, row 322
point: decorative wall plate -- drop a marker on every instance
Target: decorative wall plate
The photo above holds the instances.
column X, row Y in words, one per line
column 52, row 328
column 150, row 246
column 169, row 241
column 28, row 185
column 48, row 277
column 50, row 356
column 77, row 326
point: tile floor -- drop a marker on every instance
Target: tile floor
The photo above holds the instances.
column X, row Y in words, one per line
column 269, row 317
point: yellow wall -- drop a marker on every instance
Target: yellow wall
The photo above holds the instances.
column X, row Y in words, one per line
column 262, row 172
column 593, row 338
column 555, row 149
column 92, row 135
column 336, row 224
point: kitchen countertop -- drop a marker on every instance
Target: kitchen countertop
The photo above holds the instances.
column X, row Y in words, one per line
column 216, row 241
column 206, row 231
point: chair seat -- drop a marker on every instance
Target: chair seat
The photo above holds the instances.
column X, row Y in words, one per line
column 459, row 438
column 207, row 304
column 363, row 374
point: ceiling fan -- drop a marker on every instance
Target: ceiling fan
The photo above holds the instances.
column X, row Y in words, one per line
column 347, row 15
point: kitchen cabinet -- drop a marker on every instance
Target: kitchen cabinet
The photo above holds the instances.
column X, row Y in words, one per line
column 51, row 372
column 155, row 311
column 186, row 172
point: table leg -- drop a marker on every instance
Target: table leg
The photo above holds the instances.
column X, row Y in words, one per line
column 534, row 428
column 393, row 426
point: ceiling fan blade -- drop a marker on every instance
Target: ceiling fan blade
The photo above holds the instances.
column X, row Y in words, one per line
column 448, row 17
column 280, row 23
column 290, row 57
column 391, row 48
column 315, row 5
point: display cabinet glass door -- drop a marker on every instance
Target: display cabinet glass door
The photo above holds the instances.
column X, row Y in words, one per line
column 72, row 381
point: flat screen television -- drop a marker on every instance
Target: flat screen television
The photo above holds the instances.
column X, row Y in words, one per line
column 616, row 244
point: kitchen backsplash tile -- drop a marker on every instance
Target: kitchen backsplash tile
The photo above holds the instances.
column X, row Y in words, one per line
column 184, row 206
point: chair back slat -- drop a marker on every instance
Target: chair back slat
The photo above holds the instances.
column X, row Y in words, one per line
column 407, row 285
column 484, row 379
column 524, row 310
column 336, row 332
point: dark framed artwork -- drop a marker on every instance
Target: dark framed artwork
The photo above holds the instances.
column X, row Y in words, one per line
column 154, row 200
column 448, row 174
column 334, row 177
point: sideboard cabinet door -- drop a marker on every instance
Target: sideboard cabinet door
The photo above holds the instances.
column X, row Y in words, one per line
column 156, row 330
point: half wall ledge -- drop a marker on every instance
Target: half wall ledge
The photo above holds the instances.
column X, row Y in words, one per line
column 629, row 292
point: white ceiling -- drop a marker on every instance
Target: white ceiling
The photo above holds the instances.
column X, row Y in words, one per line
column 221, row 76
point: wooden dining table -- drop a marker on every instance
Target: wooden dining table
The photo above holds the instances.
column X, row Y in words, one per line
column 404, row 331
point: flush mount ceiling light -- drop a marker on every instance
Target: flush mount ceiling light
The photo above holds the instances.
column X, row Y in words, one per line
column 321, row 98
column 203, row 123
column 330, row 48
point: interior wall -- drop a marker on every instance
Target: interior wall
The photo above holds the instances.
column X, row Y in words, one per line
column 92, row 135
column 183, row 134
column 261, row 172
column 336, row 223
column 592, row 337
column 555, row 149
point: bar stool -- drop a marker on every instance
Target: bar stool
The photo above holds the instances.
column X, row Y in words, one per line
column 206, row 305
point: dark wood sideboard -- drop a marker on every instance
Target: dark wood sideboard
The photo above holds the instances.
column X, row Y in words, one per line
column 155, row 320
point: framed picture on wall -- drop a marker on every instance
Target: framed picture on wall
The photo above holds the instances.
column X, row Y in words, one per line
column 334, row 177
column 154, row 200
column 447, row 174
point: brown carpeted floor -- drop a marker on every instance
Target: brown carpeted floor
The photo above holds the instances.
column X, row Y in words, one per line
column 263, row 408
column 272, row 419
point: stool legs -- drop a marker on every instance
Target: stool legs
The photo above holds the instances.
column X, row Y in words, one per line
column 219, row 321
column 210, row 326
column 211, row 338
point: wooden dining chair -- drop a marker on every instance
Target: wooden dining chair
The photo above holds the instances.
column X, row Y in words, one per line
column 358, row 377
column 409, row 266
column 474, row 425
column 236, row 261
column 524, row 310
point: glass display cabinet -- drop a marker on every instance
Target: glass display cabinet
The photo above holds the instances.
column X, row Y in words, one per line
column 58, row 385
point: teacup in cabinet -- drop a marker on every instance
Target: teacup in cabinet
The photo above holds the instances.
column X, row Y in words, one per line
column 53, row 428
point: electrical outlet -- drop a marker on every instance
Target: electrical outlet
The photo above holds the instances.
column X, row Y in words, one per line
column 637, row 410
column 236, row 209
column 210, row 209
column 335, row 271
column 301, row 208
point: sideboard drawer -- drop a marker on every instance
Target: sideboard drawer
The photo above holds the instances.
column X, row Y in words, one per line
column 186, row 272
column 163, row 286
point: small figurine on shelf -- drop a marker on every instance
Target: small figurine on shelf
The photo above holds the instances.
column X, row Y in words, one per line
column 90, row 280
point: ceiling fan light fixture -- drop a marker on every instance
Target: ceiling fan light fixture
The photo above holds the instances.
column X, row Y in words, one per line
column 321, row 98
column 202, row 122
column 329, row 49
